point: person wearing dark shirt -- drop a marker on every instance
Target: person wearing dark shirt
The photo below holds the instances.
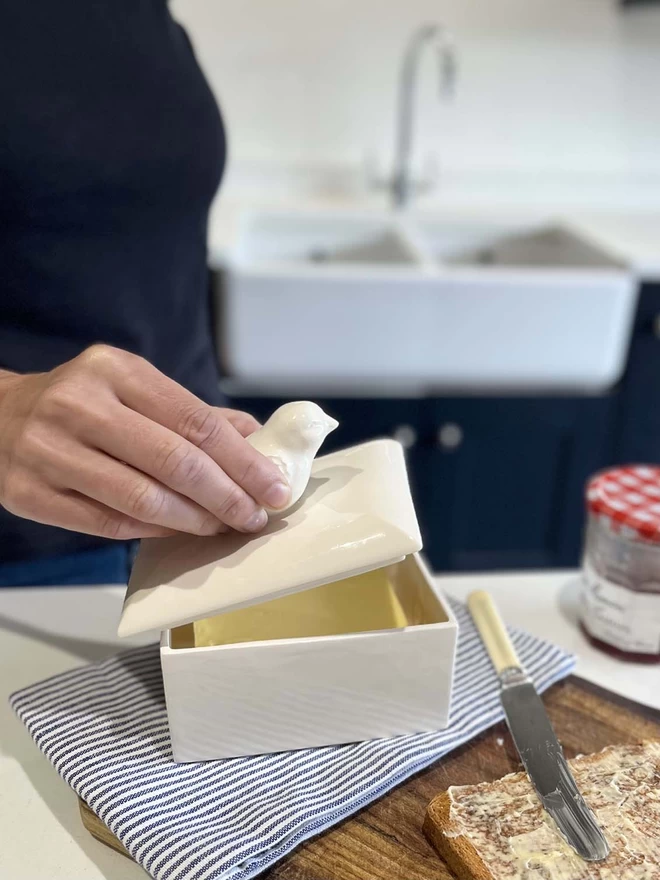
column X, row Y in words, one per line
column 111, row 425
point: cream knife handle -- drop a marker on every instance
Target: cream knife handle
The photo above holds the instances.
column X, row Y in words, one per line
column 492, row 630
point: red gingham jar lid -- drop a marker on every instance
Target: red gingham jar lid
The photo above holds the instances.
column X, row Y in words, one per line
column 629, row 498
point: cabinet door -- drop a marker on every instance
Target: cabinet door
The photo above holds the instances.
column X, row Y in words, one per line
column 639, row 415
column 502, row 480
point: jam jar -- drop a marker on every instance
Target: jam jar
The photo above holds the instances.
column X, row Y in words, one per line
column 620, row 602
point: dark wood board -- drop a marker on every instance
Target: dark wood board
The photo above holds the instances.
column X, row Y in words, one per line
column 385, row 840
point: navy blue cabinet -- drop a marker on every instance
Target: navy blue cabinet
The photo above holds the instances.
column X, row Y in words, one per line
column 502, row 480
column 638, row 420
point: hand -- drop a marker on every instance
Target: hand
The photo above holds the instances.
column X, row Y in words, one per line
column 106, row 444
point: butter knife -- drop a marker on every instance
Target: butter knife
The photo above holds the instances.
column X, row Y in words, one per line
column 537, row 744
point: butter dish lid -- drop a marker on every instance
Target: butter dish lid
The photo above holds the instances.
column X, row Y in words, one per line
column 356, row 515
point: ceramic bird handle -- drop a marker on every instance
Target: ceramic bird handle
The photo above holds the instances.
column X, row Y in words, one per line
column 291, row 438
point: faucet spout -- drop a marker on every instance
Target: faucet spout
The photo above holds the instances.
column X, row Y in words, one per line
column 425, row 35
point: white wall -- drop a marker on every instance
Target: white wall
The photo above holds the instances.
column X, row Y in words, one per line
column 552, row 86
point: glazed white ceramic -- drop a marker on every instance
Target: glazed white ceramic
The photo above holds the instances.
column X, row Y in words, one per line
column 261, row 697
column 408, row 303
column 355, row 515
column 290, row 439
column 229, row 698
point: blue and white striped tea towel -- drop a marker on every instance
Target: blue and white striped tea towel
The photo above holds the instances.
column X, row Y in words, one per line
column 104, row 728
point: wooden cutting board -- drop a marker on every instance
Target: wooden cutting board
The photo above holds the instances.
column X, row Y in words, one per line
column 385, row 840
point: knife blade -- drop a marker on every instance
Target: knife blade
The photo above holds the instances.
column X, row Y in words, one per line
column 537, row 744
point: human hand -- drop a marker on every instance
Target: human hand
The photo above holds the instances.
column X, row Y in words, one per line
column 108, row 445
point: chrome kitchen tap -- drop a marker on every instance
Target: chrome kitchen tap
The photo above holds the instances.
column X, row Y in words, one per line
column 401, row 184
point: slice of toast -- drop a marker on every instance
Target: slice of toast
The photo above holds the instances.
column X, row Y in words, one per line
column 499, row 830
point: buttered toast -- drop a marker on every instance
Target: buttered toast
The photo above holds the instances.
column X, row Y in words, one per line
column 500, row 831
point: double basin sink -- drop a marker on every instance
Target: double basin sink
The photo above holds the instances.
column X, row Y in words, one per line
column 341, row 299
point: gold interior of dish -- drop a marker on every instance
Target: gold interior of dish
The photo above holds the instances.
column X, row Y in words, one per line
column 389, row 598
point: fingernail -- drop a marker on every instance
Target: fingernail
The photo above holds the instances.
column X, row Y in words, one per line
column 257, row 521
column 277, row 495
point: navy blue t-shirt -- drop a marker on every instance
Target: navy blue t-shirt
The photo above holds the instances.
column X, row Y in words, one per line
column 111, row 150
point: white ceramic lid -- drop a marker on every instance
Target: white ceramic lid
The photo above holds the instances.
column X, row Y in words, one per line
column 355, row 516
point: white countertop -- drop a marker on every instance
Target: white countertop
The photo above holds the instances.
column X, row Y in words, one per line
column 46, row 631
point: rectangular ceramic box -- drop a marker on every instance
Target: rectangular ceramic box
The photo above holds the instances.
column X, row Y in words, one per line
column 378, row 663
column 325, row 628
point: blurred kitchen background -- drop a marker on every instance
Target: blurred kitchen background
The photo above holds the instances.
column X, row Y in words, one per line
column 441, row 220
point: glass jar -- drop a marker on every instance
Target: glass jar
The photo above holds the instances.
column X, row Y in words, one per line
column 620, row 603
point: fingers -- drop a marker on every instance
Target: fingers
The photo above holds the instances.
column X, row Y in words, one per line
column 173, row 462
column 244, row 423
column 250, row 470
column 132, row 493
column 72, row 511
column 150, row 393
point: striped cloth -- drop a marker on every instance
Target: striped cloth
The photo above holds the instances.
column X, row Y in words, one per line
column 104, row 728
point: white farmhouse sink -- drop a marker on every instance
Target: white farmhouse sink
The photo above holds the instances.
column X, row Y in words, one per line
column 338, row 299
column 303, row 239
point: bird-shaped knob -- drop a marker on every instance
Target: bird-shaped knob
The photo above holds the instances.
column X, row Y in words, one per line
column 290, row 439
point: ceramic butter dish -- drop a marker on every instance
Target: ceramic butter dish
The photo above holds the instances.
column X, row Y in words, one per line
column 324, row 629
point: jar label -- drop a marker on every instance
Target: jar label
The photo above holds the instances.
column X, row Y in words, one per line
column 618, row 616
